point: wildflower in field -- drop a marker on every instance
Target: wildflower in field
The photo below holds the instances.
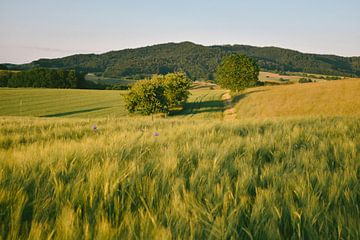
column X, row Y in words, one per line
column 156, row 134
column 94, row 128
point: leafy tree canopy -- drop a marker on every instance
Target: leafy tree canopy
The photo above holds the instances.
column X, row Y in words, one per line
column 42, row 78
column 237, row 72
column 158, row 94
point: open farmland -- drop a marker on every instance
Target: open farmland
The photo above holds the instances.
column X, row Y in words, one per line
column 195, row 179
column 327, row 98
column 192, row 175
column 91, row 103
column 60, row 103
column 276, row 78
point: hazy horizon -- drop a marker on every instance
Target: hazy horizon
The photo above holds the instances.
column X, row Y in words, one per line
column 50, row 29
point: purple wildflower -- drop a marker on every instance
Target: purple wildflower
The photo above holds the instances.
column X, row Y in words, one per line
column 94, row 127
column 156, row 134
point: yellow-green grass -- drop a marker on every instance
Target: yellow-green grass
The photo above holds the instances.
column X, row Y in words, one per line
column 61, row 103
column 327, row 98
column 93, row 103
column 198, row 179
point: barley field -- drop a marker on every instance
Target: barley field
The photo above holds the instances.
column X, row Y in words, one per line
column 326, row 98
column 179, row 179
column 285, row 171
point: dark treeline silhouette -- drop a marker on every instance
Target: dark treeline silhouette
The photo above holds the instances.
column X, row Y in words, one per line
column 43, row 78
column 197, row 61
column 52, row 78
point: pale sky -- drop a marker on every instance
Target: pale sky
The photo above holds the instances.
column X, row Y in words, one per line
column 35, row 29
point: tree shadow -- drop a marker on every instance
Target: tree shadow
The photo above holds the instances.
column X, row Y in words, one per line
column 191, row 108
column 200, row 107
column 74, row 112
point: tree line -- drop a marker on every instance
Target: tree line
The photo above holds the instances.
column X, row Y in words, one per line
column 42, row 78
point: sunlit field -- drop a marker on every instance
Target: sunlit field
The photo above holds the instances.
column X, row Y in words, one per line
column 69, row 172
column 193, row 179
column 37, row 102
column 327, row 98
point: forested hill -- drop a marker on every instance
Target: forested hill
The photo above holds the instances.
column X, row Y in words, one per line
column 199, row 61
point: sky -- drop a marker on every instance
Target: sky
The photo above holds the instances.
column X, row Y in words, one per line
column 35, row 29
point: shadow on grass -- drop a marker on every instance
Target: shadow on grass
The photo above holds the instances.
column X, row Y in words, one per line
column 213, row 106
column 200, row 107
column 74, row 112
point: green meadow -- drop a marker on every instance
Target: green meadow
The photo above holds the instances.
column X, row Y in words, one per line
column 77, row 103
column 191, row 175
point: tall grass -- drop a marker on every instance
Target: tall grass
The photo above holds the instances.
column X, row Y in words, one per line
column 326, row 98
column 293, row 179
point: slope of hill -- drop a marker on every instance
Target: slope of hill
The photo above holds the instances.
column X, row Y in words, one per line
column 327, row 98
column 198, row 61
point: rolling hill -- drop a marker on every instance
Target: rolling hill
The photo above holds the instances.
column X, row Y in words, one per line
column 198, row 61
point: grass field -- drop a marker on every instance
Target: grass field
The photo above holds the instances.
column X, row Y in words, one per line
column 275, row 77
column 199, row 179
column 287, row 168
column 93, row 103
column 291, row 77
column 61, row 103
column 327, row 98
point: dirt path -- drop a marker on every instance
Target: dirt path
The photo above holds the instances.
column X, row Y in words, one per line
column 229, row 113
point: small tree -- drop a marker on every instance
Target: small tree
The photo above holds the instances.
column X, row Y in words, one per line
column 158, row 94
column 237, row 72
column 147, row 97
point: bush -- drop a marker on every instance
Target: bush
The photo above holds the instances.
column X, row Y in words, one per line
column 305, row 80
column 284, row 80
column 158, row 94
column 332, row 78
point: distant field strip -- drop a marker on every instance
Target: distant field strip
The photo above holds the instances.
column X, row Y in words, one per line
column 94, row 103
column 327, row 98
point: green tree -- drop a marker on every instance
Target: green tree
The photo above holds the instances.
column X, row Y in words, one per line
column 4, row 78
column 237, row 72
column 147, row 97
column 158, row 94
column 177, row 87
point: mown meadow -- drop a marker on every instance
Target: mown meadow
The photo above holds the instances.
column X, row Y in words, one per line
column 76, row 103
column 179, row 178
